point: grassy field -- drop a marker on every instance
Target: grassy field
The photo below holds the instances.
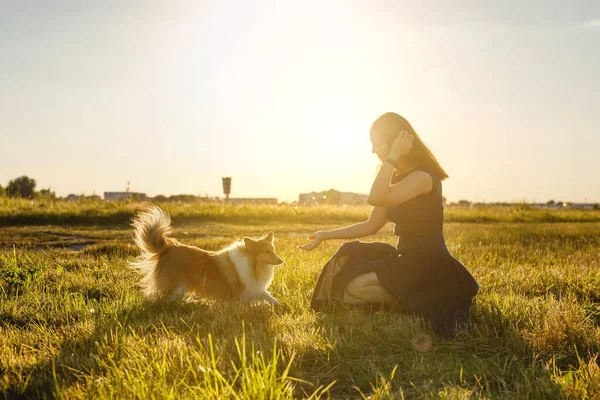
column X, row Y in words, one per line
column 74, row 325
column 36, row 212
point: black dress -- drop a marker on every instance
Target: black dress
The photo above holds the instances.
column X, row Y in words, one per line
column 419, row 272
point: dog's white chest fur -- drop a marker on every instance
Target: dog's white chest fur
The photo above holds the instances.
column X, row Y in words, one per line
column 255, row 282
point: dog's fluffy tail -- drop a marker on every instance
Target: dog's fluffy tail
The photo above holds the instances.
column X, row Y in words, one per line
column 151, row 229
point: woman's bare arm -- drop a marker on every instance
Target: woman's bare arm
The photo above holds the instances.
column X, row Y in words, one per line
column 376, row 221
column 415, row 184
column 384, row 194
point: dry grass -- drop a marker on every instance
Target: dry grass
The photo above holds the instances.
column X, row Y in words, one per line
column 73, row 324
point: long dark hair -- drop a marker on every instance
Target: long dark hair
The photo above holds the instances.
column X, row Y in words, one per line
column 390, row 124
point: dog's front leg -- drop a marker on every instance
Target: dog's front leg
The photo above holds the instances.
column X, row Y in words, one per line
column 271, row 299
column 246, row 296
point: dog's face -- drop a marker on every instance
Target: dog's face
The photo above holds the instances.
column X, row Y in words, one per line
column 263, row 249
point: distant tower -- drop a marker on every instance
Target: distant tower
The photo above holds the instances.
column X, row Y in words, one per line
column 227, row 186
column 128, row 187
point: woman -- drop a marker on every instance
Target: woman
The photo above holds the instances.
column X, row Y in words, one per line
column 419, row 275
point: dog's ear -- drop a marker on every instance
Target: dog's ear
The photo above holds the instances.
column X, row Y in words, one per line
column 269, row 236
column 249, row 243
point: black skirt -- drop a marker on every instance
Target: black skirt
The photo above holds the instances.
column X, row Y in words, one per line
column 422, row 276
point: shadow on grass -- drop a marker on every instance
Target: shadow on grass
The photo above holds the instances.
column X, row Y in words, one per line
column 491, row 359
column 377, row 349
column 187, row 319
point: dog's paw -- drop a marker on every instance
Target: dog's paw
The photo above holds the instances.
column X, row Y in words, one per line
column 271, row 299
column 247, row 297
column 275, row 303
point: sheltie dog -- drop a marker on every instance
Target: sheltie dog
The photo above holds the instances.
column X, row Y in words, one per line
column 243, row 270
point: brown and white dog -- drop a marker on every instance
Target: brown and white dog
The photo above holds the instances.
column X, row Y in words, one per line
column 243, row 270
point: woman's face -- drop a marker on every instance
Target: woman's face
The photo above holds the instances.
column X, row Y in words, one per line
column 379, row 146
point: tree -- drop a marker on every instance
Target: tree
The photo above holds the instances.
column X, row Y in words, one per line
column 464, row 203
column 182, row 198
column 551, row 203
column 47, row 193
column 2, row 191
column 22, row 186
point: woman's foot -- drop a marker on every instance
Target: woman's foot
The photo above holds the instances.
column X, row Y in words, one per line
column 351, row 300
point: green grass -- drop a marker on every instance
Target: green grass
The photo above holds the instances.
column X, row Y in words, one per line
column 74, row 325
column 18, row 212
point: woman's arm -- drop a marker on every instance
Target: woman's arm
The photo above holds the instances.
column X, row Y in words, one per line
column 415, row 184
column 376, row 221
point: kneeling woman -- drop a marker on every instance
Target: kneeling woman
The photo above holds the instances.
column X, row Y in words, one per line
column 419, row 275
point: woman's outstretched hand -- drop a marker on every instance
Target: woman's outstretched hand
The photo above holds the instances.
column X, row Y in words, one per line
column 316, row 238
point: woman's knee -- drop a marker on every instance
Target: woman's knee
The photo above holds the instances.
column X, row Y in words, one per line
column 341, row 260
column 346, row 247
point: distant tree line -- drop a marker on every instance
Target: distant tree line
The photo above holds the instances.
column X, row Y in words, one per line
column 24, row 187
column 177, row 198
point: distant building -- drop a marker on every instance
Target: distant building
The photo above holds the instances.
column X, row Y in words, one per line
column 581, row 206
column 353, row 198
column 73, row 197
column 116, row 196
column 332, row 197
column 576, row 206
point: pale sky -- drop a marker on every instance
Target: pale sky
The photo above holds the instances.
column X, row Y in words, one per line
column 280, row 95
